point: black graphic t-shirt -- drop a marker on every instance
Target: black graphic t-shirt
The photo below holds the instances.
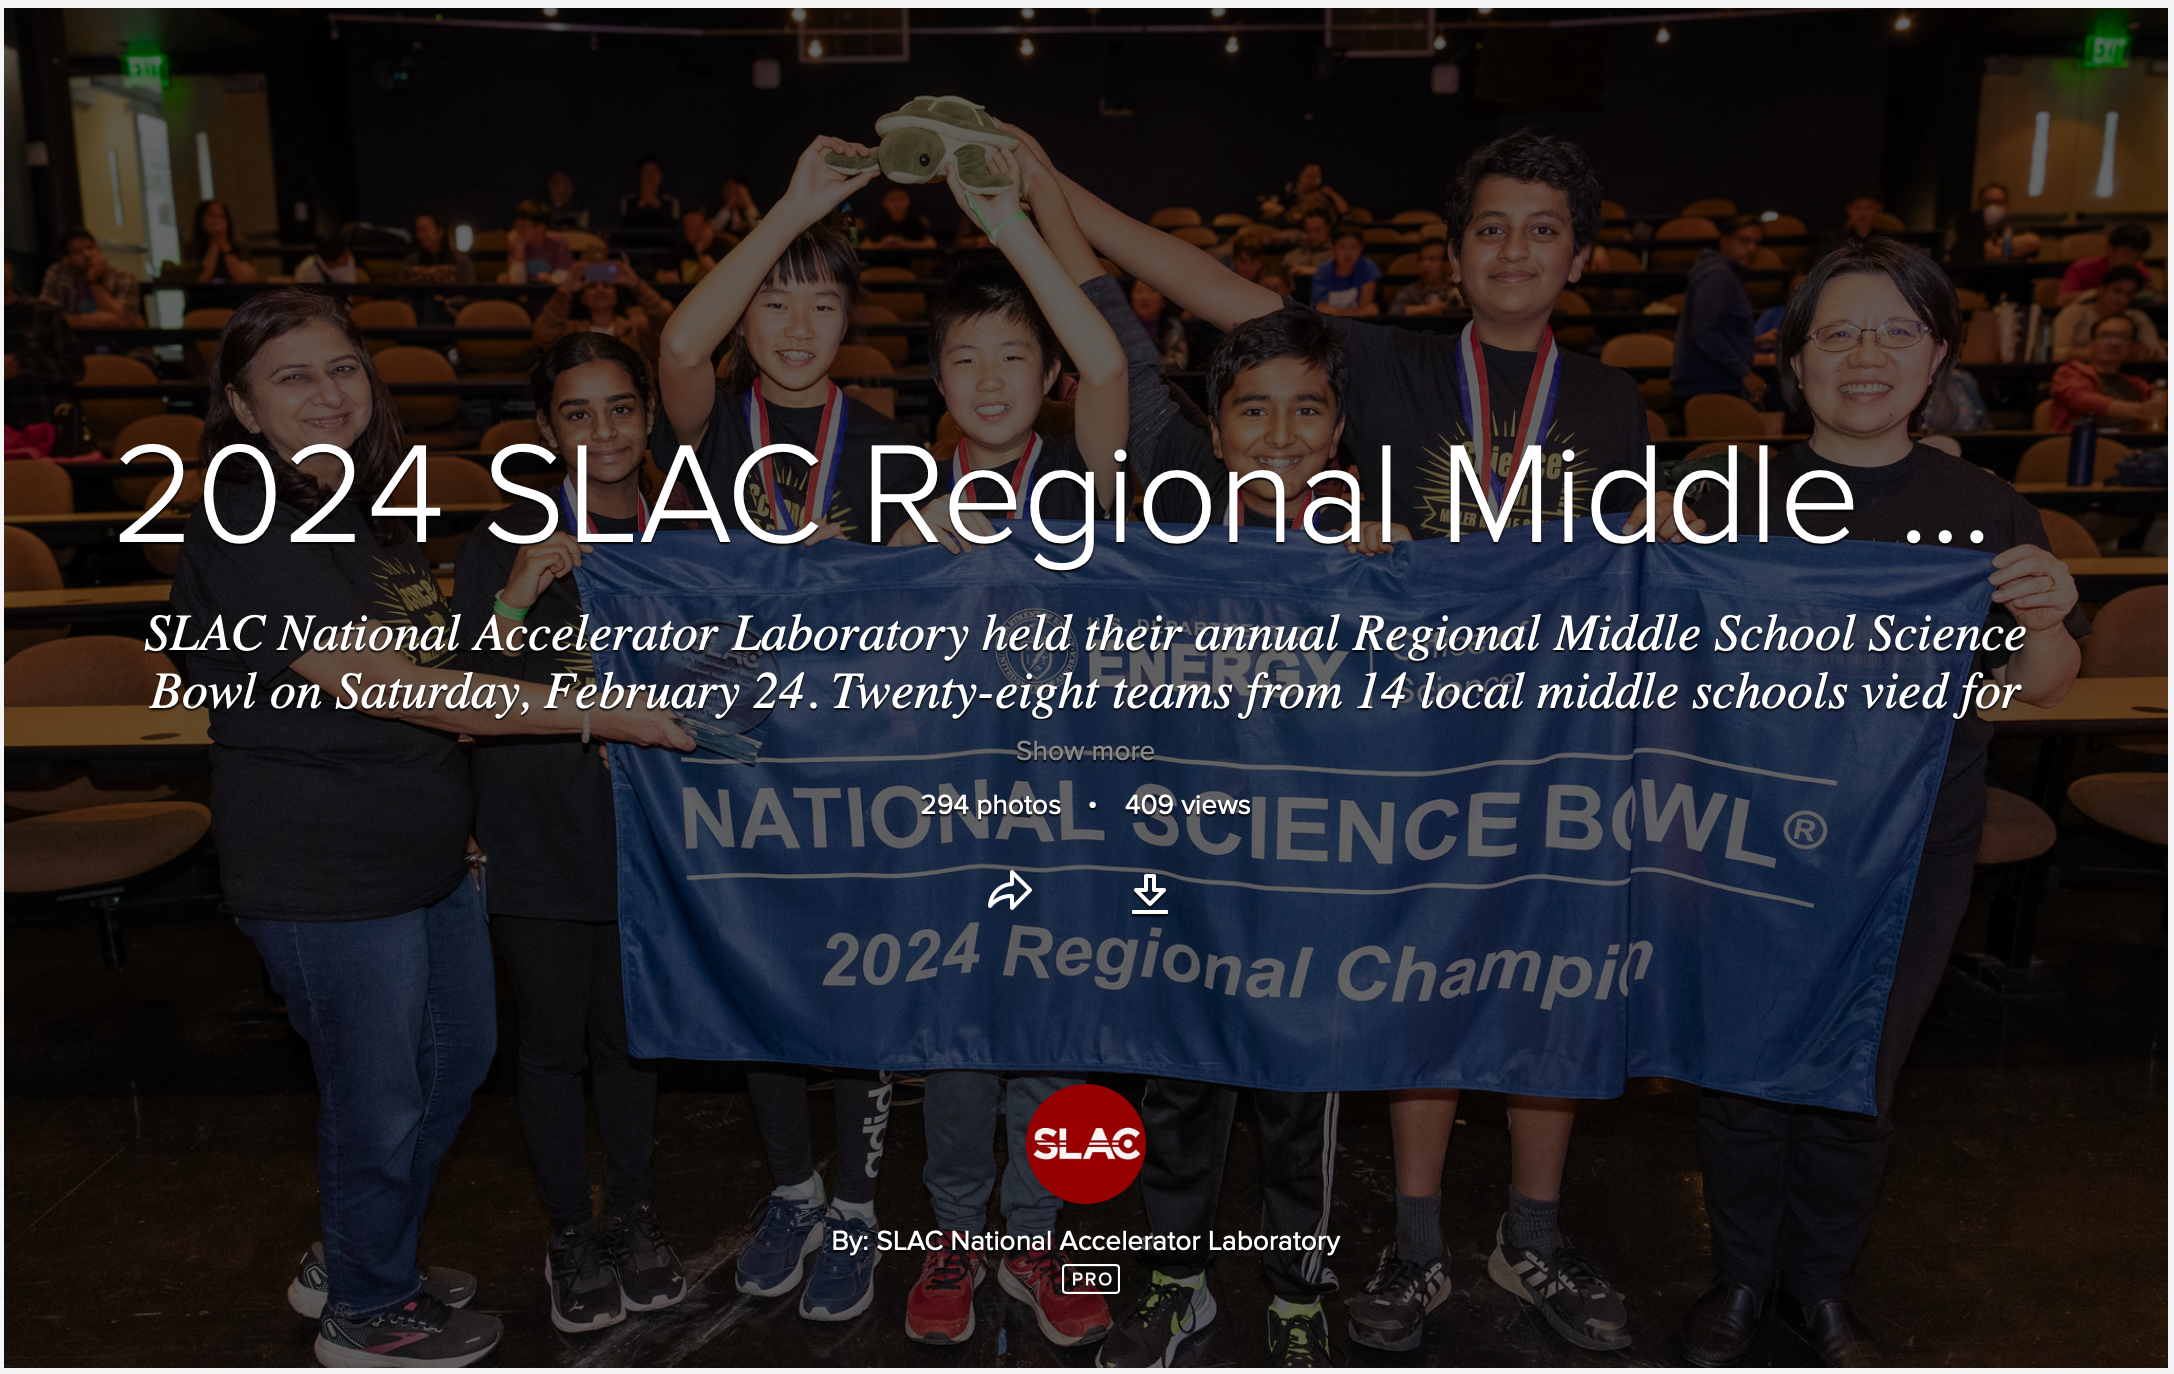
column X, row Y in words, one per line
column 320, row 814
column 543, row 802
column 1928, row 491
column 726, row 444
column 1404, row 393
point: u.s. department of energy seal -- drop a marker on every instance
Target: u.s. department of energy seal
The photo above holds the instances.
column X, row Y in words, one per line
column 1049, row 653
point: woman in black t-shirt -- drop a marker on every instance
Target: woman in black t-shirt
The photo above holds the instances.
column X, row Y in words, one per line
column 343, row 829
column 1872, row 330
column 544, row 815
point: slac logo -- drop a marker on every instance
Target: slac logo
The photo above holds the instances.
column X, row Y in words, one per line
column 1086, row 1144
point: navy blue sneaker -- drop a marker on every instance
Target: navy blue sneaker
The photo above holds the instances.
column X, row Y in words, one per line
column 775, row 1259
column 844, row 1281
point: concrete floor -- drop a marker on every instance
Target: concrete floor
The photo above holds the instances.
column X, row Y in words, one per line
column 160, row 1182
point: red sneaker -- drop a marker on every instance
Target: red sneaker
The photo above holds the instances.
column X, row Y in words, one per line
column 1065, row 1318
column 940, row 1309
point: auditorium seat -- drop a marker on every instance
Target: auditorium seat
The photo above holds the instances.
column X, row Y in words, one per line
column 1230, row 220
column 1656, row 427
column 2047, row 460
column 1886, row 223
column 453, row 480
column 177, row 432
column 2132, row 803
column 87, row 670
column 1720, row 416
column 88, row 854
column 2042, row 415
column 106, row 419
column 1404, row 265
column 1578, row 336
column 1792, row 255
column 1613, row 233
column 201, row 353
column 2069, row 538
column 1198, row 235
column 2015, row 829
column 1644, row 350
column 2128, row 639
column 38, row 486
column 1174, row 217
column 1713, row 207
column 509, row 358
column 30, row 567
column 426, row 418
column 2076, row 247
column 906, row 305
column 1415, row 217
column 390, row 314
column 517, row 431
column 892, row 346
column 860, row 360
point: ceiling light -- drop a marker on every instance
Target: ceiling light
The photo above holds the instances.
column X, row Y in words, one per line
column 1769, row 216
column 1216, row 14
column 815, row 47
column 799, row 16
column 1440, row 42
column 1230, row 44
column 1661, row 35
column 1026, row 14
column 1026, row 47
column 1902, row 23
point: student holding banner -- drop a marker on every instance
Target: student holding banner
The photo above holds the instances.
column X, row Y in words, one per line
column 343, row 833
column 994, row 344
column 544, row 816
column 1523, row 213
column 1866, row 340
column 784, row 296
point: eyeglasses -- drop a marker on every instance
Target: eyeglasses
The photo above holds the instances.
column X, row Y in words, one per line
column 1841, row 338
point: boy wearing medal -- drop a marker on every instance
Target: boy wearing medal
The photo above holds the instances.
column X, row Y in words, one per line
column 783, row 297
column 1523, row 213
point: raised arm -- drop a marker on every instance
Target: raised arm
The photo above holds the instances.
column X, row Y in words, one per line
column 1180, row 271
column 1099, row 410
column 685, row 381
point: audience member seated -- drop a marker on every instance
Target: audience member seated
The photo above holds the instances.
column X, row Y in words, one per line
column 695, row 252
column 2096, row 385
column 1274, row 277
column 216, row 252
column 534, row 252
column 564, row 212
column 2114, row 296
column 89, row 292
column 1247, row 249
column 1315, row 244
column 736, row 213
column 1305, row 195
column 44, row 357
column 1160, row 319
column 648, row 207
column 1955, row 404
column 435, row 259
column 1983, row 234
column 1715, row 332
column 2126, row 245
column 898, row 226
column 1346, row 283
column 969, row 236
column 1434, row 292
column 1857, row 217
column 614, row 300
column 334, row 260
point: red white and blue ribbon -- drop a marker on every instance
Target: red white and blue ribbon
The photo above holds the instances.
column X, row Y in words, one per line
column 1022, row 471
column 566, row 504
column 1539, row 412
column 829, row 450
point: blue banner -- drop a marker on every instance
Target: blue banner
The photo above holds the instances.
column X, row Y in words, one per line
column 1463, row 815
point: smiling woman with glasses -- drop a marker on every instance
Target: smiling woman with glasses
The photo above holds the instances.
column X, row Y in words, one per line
column 1790, row 1190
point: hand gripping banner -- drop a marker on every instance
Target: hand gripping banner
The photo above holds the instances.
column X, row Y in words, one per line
column 1478, row 847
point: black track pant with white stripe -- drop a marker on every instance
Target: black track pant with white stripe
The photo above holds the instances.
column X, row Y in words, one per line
column 1188, row 1137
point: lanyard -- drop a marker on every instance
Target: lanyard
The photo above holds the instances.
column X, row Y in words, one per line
column 566, row 503
column 830, row 456
column 1541, row 394
column 1022, row 471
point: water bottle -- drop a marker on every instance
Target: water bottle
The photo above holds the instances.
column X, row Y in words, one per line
column 2083, row 451
column 2007, row 244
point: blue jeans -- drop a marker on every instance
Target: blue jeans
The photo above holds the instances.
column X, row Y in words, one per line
column 401, row 1017
column 958, row 1114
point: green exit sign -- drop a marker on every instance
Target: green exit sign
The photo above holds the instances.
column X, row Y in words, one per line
column 2106, row 51
column 146, row 67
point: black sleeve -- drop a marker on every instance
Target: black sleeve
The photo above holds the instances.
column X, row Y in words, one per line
column 1627, row 412
column 271, row 576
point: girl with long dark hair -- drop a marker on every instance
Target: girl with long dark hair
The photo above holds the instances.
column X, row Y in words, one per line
column 343, row 833
column 544, row 815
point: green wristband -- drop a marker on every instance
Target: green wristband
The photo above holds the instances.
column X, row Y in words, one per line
column 514, row 613
column 1016, row 216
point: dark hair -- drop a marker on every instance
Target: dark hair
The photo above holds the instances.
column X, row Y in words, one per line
column 1349, row 230
column 648, row 159
column 2134, row 236
column 1527, row 156
column 1736, row 222
column 2120, row 315
column 432, row 215
column 1923, row 285
column 273, row 314
column 579, row 349
column 69, row 235
column 988, row 285
column 2000, row 186
column 1292, row 332
column 533, row 211
column 1321, row 215
column 2121, row 273
column 821, row 251
column 332, row 245
column 1871, row 193
column 200, row 242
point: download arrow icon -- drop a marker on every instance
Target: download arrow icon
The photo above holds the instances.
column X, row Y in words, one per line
column 1149, row 891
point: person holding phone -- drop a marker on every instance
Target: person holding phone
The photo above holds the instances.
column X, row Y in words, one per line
column 614, row 300
column 343, row 830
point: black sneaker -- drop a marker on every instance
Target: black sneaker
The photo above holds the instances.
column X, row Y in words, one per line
column 584, row 1280
column 311, row 1285
column 650, row 1276
column 1148, row 1337
column 1299, row 1341
column 1567, row 1290
column 1389, row 1312
column 420, row 1333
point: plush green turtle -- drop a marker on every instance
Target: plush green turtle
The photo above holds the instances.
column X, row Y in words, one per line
column 928, row 133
